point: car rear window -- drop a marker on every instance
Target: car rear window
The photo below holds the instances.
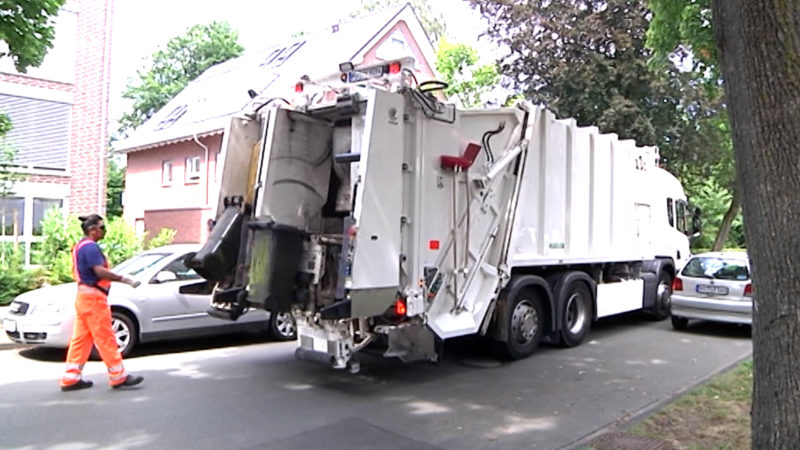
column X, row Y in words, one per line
column 720, row 268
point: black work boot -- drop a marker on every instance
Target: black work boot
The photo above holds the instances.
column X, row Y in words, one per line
column 81, row 384
column 130, row 380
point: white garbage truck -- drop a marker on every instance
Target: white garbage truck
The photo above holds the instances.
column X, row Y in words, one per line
column 387, row 221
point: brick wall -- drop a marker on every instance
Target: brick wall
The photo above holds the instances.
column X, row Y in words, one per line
column 185, row 221
column 88, row 136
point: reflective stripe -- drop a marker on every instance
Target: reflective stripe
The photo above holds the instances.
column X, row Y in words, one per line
column 71, row 366
column 71, row 376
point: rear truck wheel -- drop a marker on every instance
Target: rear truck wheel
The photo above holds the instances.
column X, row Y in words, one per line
column 524, row 324
column 576, row 317
column 679, row 323
column 282, row 326
column 125, row 331
column 660, row 309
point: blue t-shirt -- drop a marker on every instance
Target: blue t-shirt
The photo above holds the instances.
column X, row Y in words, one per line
column 89, row 256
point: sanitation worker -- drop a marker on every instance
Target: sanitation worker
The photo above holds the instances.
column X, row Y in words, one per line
column 92, row 313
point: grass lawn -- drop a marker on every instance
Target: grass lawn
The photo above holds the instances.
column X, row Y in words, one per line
column 715, row 415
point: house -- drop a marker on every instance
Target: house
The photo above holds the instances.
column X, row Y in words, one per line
column 58, row 113
column 172, row 171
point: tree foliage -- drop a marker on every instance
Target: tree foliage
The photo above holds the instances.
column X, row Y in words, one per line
column 681, row 32
column 26, row 26
column 431, row 19
column 587, row 59
column 115, row 185
column 182, row 60
column 467, row 80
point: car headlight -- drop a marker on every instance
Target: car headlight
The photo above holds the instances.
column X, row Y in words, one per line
column 49, row 308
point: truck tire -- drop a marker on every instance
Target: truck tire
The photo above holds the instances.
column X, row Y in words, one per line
column 576, row 317
column 660, row 309
column 525, row 324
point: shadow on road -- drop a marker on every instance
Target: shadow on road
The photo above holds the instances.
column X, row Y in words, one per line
column 158, row 348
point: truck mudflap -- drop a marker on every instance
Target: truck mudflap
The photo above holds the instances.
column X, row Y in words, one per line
column 410, row 342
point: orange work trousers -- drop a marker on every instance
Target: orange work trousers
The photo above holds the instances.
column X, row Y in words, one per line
column 92, row 327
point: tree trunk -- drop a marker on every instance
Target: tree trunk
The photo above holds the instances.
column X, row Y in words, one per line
column 759, row 49
column 727, row 221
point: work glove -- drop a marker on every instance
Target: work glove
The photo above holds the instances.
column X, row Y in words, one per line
column 130, row 282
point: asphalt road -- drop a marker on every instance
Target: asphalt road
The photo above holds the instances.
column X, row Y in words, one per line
column 244, row 392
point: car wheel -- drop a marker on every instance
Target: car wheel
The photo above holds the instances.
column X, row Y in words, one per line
column 524, row 324
column 282, row 326
column 680, row 323
column 125, row 332
column 576, row 318
column 660, row 309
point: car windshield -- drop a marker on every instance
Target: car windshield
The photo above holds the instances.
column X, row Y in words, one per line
column 717, row 267
column 140, row 263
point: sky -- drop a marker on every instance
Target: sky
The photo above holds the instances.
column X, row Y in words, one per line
column 140, row 27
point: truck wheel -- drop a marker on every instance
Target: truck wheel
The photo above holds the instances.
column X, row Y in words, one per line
column 282, row 326
column 576, row 317
column 680, row 323
column 525, row 324
column 660, row 309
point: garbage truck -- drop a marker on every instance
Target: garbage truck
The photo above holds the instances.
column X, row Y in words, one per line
column 387, row 221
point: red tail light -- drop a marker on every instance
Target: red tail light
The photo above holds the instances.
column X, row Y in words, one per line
column 400, row 307
column 748, row 290
column 677, row 284
column 394, row 68
column 298, row 88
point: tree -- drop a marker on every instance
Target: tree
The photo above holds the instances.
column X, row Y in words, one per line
column 182, row 60
column 26, row 26
column 466, row 80
column 759, row 47
column 115, row 185
column 681, row 30
column 432, row 20
column 587, row 59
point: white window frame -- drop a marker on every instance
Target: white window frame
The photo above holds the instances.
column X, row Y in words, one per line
column 192, row 169
column 166, row 172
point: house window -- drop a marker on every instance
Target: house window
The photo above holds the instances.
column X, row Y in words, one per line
column 12, row 212
column 192, row 169
column 166, row 173
column 40, row 208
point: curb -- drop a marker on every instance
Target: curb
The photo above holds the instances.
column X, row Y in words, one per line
column 632, row 418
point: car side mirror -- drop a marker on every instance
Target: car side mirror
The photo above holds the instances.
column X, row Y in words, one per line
column 165, row 276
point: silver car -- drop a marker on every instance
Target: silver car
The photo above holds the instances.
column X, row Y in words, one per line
column 713, row 286
column 154, row 311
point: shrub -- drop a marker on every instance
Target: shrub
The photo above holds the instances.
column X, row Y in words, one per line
column 61, row 233
column 120, row 241
column 14, row 278
column 164, row 237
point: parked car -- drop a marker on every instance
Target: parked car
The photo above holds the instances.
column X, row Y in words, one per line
column 154, row 311
column 713, row 286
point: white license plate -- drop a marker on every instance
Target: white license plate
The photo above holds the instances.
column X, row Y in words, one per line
column 9, row 325
column 714, row 290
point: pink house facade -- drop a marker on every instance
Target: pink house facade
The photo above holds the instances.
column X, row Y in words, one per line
column 172, row 172
column 59, row 117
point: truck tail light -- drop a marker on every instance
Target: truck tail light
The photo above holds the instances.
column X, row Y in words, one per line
column 677, row 284
column 400, row 307
column 748, row 290
column 394, row 68
column 298, row 88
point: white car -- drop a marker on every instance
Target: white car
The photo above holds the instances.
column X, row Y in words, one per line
column 154, row 311
column 713, row 286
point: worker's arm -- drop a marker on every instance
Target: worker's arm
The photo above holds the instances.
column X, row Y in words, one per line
column 105, row 274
